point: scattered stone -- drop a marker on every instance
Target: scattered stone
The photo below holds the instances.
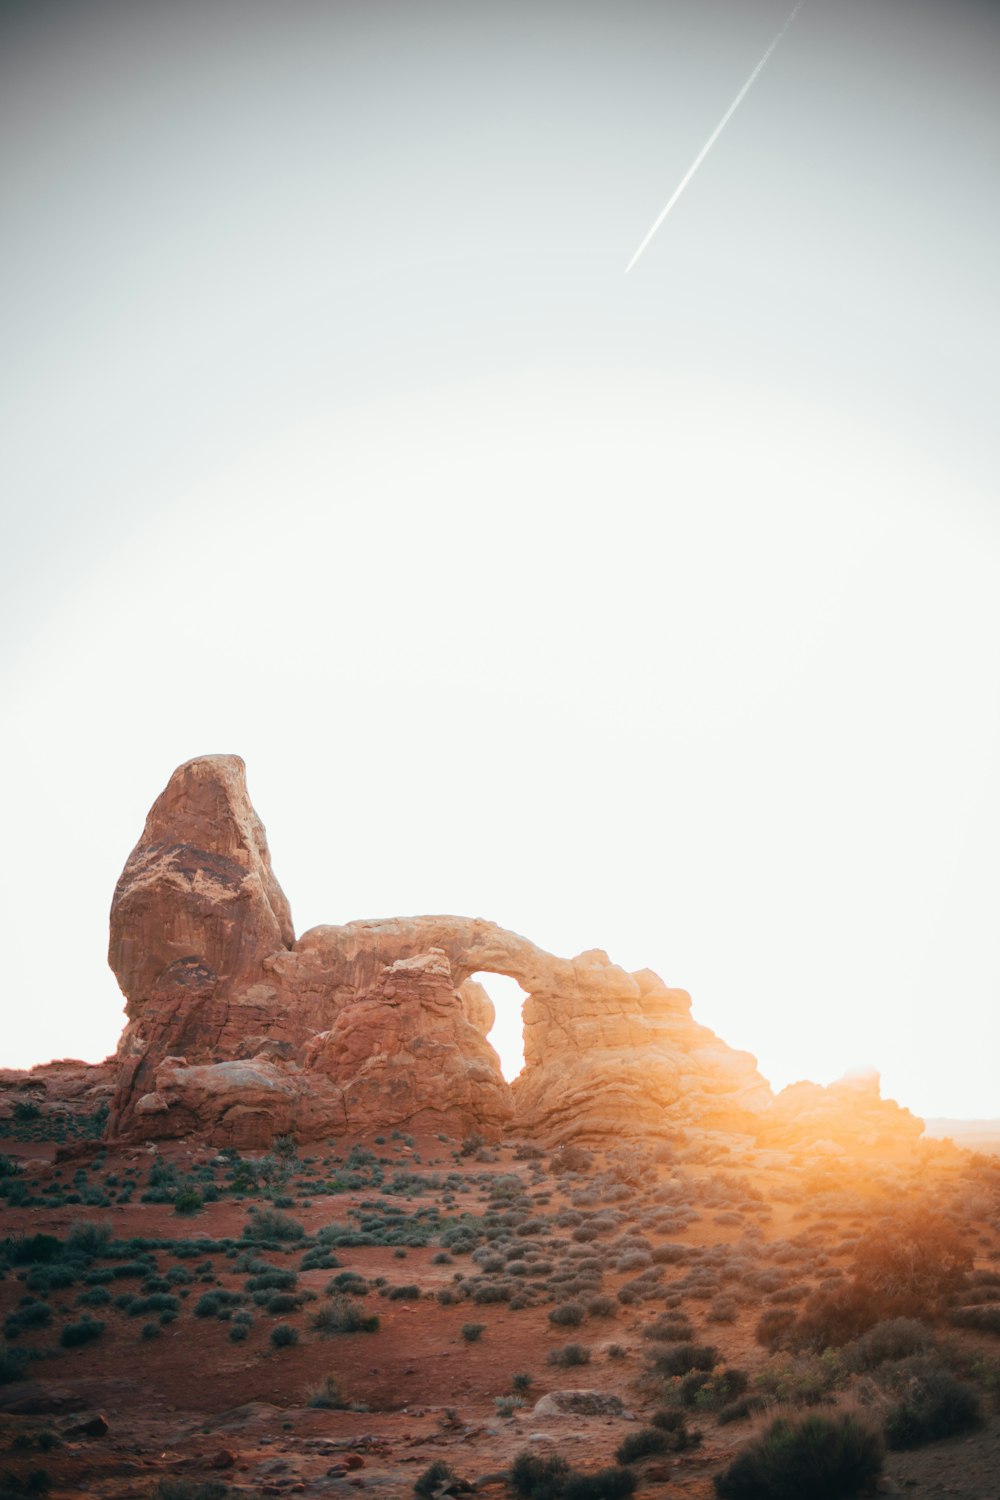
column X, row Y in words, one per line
column 96, row 1426
column 582, row 1403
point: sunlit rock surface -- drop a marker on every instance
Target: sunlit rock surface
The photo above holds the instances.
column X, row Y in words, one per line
column 847, row 1116
column 238, row 1031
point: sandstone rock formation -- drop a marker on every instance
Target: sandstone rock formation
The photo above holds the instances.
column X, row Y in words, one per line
column 847, row 1116
column 238, row 1031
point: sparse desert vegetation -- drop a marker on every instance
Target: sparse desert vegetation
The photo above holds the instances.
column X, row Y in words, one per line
column 858, row 1331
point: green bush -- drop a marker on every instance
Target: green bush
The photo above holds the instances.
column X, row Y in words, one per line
column 34, row 1250
column 283, row 1335
column 432, row 1479
column 608, row 1484
column 569, row 1314
column 472, row 1332
column 936, row 1406
column 191, row 1489
column 272, row 1224
column 83, row 1332
column 673, row 1424
column 30, row 1315
column 95, row 1296
column 275, row 1279
column 341, row 1315
column 217, row 1303
column 88, row 1238
column 893, row 1338
column 680, row 1358
column 983, row 1319
column 569, row 1355
column 815, row 1456
column 12, row 1363
column 710, row 1391
column 641, row 1444
column 327, row 1396
column 537, row 1478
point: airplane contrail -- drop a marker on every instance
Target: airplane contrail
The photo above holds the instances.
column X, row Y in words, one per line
column 715, row 135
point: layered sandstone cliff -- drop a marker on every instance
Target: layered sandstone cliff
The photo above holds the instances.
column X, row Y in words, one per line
column 238, row 1031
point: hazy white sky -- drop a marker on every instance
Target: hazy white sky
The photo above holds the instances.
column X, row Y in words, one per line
column 659, row 615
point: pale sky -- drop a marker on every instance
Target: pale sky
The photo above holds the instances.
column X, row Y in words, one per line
column 659, row 615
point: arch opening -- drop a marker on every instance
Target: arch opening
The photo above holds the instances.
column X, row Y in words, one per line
column 506, row 1036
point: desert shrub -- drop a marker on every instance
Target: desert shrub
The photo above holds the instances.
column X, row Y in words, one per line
column 670, row 1255
column 188, row 1201
column 472, row 1332
column 800, row 1379
column 570, row 1355
column 12, row 1362
column 95, row 1296
column 319, row 1258
column 87, row 1238
column 568, row 1314
column 191, row 1489
column 274, row 1279
column 742, row 1408
column 326, row 1396
column 608, row 1484
column 279, row 1303
column 34, row 1250
column 522, row 1381
column 30, row 1315
column 283, row 1335
column 571, row 1159
column 161, row 1302
column 936, row 1406
column 641, row 1444
column 983, row 1319
column 602, row 1307
column 238, row 1332
column 670, row 1328
column 722, row 1310
column 822, row 1457
column 27, row 1486
column 713, row 1391
column 272, row 1224
column 216, row 1303
column 830, row 1319
column 894, row 1338
column 673, row 1424
column 341, row 1315
column 434, row 1479
column 916, row 1257
column 403, row 1293
column 534, row 1477
column 83, row 1332
column 680, row 1358
column 348, row 1284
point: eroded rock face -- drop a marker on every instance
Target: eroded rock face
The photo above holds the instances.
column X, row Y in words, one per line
column 404, row 1053
column 849, row 1116
column 238, row 1031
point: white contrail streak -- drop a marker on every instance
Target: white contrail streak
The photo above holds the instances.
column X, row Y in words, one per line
column 715, row 135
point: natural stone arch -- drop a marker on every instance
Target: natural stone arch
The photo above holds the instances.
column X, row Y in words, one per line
column 203, row 947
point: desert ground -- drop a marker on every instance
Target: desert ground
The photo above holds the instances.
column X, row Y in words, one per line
column 181, row 1321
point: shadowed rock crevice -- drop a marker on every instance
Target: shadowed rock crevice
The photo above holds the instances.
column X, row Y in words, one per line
column 237, row 1031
